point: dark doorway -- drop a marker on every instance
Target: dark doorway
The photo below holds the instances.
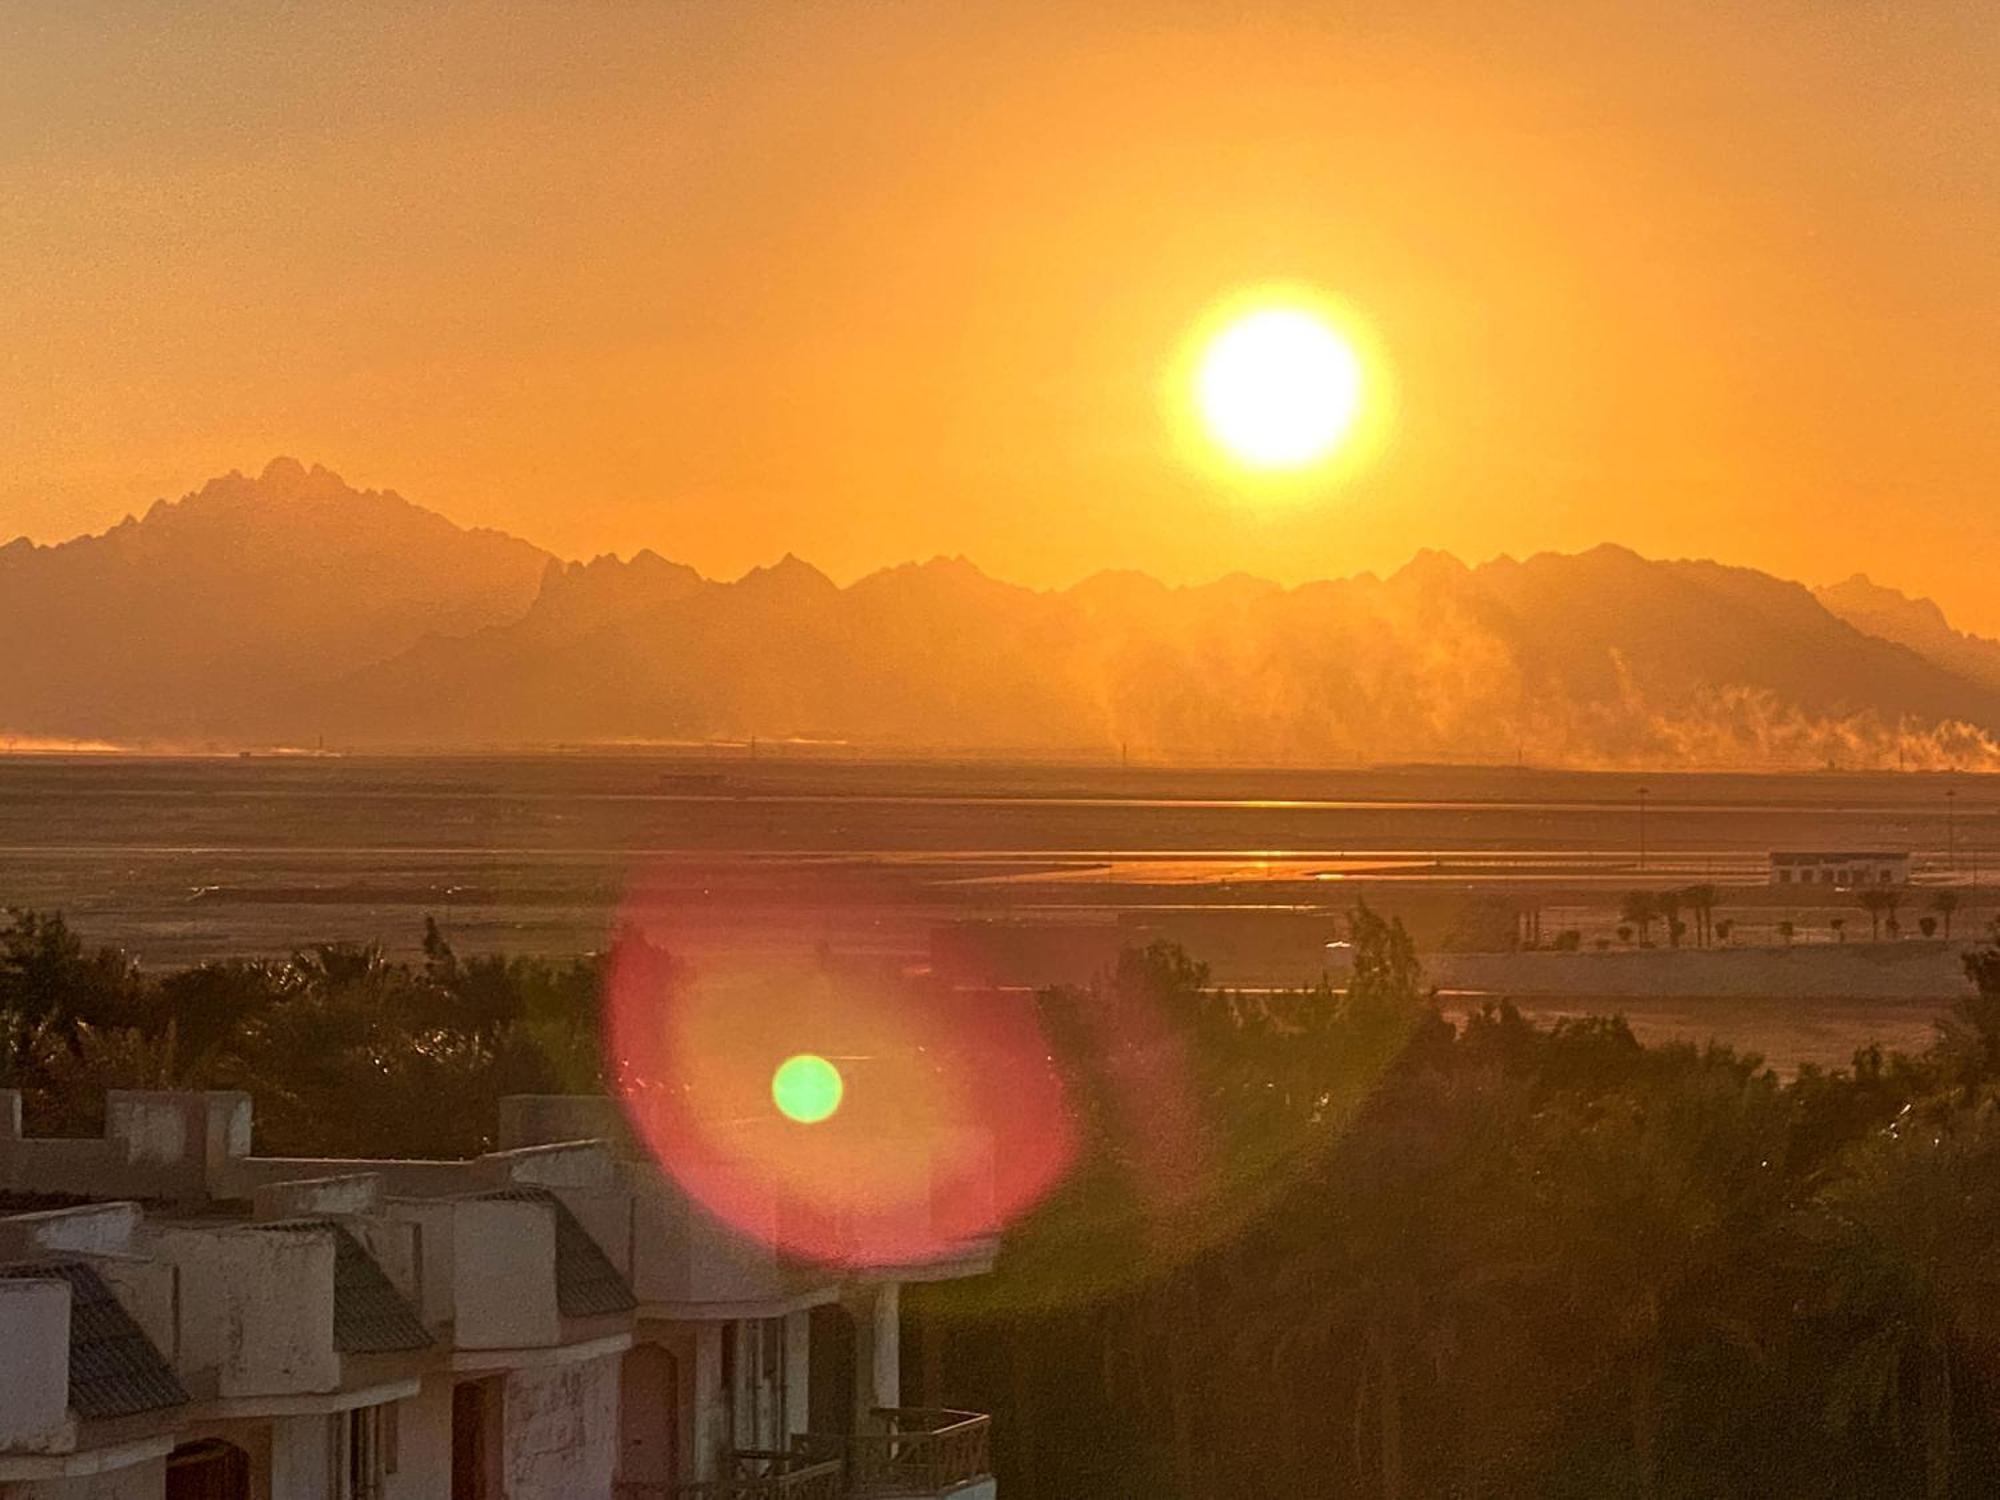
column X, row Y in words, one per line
column 208, row 1470
column 830, row 1379
column 475, row 1440
column 649, row 1396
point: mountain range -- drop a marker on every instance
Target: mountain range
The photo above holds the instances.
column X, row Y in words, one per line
column 291, row 609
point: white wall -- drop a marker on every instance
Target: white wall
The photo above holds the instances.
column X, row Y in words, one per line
column 707, row 1435
column 34, row 1374
column 90, row 1229
column 423, row 1444
column 278, row 1300
column 146, row 1481
column 561, row 1438
column 256, row 1309
column 302, row 1456
column 504, row 1275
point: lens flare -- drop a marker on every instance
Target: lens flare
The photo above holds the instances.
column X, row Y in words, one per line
column 838, row 1112
column 807, row 1088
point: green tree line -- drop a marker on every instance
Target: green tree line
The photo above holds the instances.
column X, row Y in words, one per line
column 347, row 1051
column 1496, row 1259
column 1316, row 1244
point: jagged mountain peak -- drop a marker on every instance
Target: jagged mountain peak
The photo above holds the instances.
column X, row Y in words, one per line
column 1862, row 595
column 194, row 618
column 290, row 603
column 1918, row 623
column 790, row 574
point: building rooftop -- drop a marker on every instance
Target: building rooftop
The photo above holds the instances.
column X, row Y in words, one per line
column 369, row 1314
column 114, row 1370
column 1826, row 857
column 588, row 1285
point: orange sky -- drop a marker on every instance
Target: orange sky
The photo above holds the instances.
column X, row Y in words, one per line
column 873, row 281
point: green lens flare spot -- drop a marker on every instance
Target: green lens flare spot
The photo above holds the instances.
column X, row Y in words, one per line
column 807, row 1088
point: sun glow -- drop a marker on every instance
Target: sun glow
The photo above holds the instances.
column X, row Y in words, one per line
column 1279, row 388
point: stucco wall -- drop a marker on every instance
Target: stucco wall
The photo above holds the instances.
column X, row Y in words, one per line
column 145, row 1481
column 435, row 1268
column 34, row 1374
column 562, row 1431
column 423, row 1444
column 504, row 1275
column 708, row 1434
column 90, row 1229
column 301, row 1457
column 203, row 1332
column 278, row 1300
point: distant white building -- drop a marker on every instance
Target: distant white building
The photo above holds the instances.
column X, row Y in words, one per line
column 552, row 1321
column 1842, row 871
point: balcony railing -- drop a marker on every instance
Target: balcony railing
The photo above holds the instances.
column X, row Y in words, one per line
column 754, row 1474
column 920, row 1451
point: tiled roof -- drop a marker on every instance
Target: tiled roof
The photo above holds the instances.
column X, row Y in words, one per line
column 114, row 1370
column 369, row 1314
column 587, row 1283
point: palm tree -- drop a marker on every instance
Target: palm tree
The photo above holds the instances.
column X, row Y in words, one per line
column 1702, row 899
column 1875, row 901
column 1722, row 930
column 1908, row 1223
column 1944, row 903
column 1640, row 909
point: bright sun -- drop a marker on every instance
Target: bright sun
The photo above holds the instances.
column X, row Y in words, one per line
column 1278, row 388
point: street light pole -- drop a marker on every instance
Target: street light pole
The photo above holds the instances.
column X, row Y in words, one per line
column 1642, row 827
column 1951, row 831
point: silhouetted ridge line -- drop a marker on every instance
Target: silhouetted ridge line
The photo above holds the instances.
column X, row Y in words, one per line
column 291, row 607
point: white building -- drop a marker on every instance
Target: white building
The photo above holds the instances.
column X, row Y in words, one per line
column 552, row 1321
column 1844, row 872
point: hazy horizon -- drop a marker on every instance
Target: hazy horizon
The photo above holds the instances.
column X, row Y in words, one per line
column 292, row 609
column 864, row 284
column 864, row 569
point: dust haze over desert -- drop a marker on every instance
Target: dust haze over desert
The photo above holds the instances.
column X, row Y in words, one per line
column 292, row 610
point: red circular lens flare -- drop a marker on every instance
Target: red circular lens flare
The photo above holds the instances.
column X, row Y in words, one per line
column 949, row 1121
